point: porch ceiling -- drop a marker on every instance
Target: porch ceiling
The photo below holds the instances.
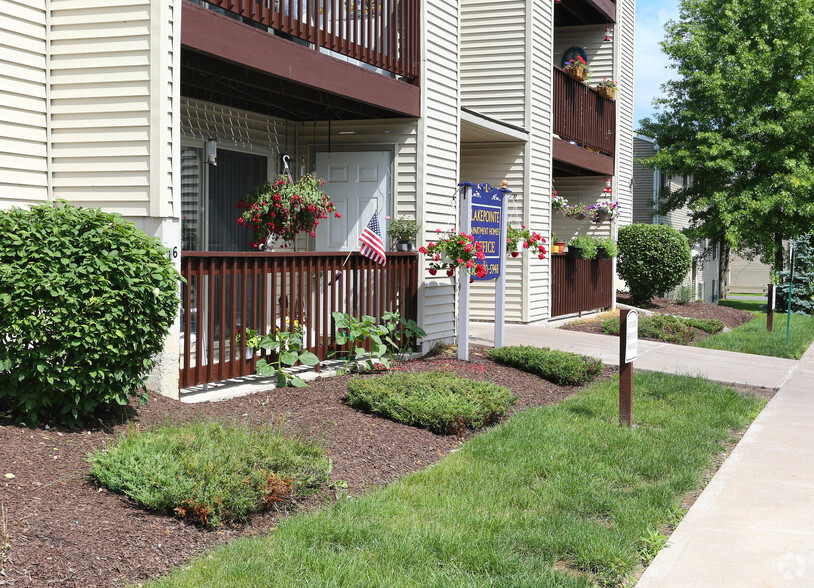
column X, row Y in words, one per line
column 477, row 128
column 228, row 62
column 581, row 12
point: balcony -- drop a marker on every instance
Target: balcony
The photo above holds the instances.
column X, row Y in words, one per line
column 301, row 59
column 582, row 12
column 586, row 126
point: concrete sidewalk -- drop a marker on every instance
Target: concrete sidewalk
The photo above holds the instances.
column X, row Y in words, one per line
column 753, row 525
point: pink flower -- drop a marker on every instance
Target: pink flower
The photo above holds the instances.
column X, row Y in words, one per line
column 422, row 249
column 387, row 218
column 437, row 230
column 468, row 247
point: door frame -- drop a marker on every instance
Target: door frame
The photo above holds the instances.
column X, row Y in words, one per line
column 391, row 198
column 271, row 172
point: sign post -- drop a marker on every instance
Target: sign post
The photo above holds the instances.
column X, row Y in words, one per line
column 628, row 351
column 483, row 214
column 791, row 286
column 770, row 309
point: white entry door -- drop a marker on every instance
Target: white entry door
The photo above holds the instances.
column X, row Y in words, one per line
column 358, row 182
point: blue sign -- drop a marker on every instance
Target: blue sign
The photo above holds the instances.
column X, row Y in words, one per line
column 485, row 227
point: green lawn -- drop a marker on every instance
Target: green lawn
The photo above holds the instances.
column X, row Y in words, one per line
column 752, row 337
column 754, row 306
column 555, row 496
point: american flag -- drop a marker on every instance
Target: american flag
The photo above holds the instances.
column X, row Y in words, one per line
column 372, row 244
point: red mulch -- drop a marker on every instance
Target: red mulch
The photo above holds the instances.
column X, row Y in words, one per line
column 731, row 317
column 64, row 530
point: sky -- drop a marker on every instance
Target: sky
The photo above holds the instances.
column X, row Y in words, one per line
column 650, row 63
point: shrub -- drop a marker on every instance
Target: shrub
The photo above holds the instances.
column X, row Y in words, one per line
column 559, row 367
column 802, row 294
column 652, row 258
column 684, row 294
column 441, row 402
column 665, row 327
column 86, row 300
column 209, row 473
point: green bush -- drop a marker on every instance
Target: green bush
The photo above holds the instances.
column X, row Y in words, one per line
column 559, row 367
column 209, row 473
column 652, row 258
column 441, row 402
column 665, row 327
column 86, row 300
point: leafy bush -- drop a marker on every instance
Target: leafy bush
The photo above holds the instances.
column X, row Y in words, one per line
column 209, row 473
column 441, row 402
column 802, row 294
column 652, row 258
column 86, row 300
column 587, row 244
column 665, row 327
column 559, row 367
column 684, row 294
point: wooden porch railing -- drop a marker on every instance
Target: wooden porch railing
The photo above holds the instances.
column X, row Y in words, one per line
column 226, row 293
column 579, row 285
column 381, row 33
column 582, row 115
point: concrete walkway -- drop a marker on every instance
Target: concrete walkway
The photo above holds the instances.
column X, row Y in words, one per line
column 753, row 525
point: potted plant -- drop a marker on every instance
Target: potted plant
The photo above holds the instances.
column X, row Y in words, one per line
column 582, row 246
column 523, row 238
column 455, row 250
column 607, row 248
column 402, row 231
column 603, row 211
column 283, row 208
column 607, row 88
column 557, row 246
column 578, row 69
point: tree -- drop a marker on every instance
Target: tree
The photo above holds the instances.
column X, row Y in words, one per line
column 738, row 119
column 652, row 259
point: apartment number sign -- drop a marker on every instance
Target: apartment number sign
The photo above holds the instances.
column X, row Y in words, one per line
column 485, row 226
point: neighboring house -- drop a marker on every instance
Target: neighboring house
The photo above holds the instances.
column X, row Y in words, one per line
column 124, row 105
column 745, row 276
column 648, row 183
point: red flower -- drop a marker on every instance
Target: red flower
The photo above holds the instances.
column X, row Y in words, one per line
column 422, row 249
column 515, row 253
column 480, row 271
column 450, row 271
column 433, row 271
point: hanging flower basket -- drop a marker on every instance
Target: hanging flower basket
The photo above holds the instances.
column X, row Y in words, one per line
column 602, row 216
column 281, row 209
column 577, row 72
column 607, row 92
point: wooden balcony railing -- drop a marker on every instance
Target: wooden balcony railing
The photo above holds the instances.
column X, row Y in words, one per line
column 381, row 33
column 227, row 293
column 583, row 116
column 579, row 285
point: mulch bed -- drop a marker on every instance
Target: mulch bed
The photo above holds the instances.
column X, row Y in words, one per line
column 64, row 530
column 731, row 317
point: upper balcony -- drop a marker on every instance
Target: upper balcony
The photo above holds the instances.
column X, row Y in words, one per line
column 586, row 126
column 583, row 12
column 326, row 53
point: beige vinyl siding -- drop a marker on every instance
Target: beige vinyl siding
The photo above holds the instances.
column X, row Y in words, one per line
column 539, row 101
column 23, row 103
column 623, row 39
column 643, row 182
column 492, row 163
column 598, row 53
column 747, row 277
column 585, row 190
column 396, row 135
column 438, row 157
column 493, row 59
column 678, row 219
column 112, row 124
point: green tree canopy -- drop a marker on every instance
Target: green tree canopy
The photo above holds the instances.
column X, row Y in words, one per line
column 739, row 119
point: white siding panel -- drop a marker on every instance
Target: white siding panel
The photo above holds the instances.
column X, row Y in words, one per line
column 623, row 36
column 438, row 154
column 598, row 52
column 493, row 59
column 23, row 107
column 643, row 182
